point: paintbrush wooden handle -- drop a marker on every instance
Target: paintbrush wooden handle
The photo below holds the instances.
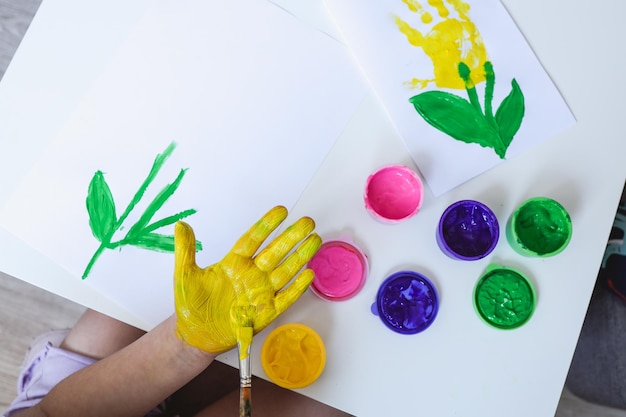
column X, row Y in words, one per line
column 245, row 382
column 245, row 402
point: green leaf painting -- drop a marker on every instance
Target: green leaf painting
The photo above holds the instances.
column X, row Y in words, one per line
column 104, row 222
column 101, row 207
column 466, row 121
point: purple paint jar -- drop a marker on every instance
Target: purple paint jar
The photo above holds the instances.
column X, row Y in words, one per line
column 406, row 302
column 468, row 230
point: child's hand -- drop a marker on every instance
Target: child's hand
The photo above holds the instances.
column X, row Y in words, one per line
column 211, row 302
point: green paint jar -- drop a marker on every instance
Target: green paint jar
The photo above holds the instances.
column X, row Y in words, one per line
column 539, row 227
column 504, row 298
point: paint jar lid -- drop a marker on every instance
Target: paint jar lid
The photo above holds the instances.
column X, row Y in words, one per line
column 393, row 193
column 504, row 298
column 341, row 269
column 293, row 356
column 539, row 227
column 468, row 230
column 407, row 302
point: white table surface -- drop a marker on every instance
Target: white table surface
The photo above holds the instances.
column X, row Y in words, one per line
column 459, row 366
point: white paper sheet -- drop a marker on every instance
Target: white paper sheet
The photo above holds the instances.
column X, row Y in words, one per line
column 390, row 62
column 253, row 99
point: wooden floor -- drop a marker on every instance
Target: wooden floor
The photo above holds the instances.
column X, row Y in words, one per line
column 27, row 311
column 15, row 16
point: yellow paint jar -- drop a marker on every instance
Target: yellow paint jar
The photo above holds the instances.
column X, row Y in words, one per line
column 293, row 356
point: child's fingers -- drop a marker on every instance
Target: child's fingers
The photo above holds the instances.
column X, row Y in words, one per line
column 270, row 257
column 249, row 243
column 285, row 298
column 283, row 273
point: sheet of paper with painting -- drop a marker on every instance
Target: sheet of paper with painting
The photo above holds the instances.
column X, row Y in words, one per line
column 462, row 86
column 211, row 112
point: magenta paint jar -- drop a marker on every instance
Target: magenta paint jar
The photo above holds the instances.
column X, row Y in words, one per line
column 393, row 193
column 341, row 269
column 468, row 230
column 407, row 302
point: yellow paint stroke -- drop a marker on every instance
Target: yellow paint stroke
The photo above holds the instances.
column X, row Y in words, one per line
column 218, row 305
column 450, row 41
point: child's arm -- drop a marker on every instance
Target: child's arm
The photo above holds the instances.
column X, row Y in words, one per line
column 209, row 302
column 130, row 382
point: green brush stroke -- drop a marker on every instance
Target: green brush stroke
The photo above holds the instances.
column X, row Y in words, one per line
column 104, row 223
column 465, row 120
column 100, row 207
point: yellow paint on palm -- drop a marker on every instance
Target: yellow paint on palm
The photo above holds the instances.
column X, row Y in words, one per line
column 449, row 42
column 226, row 303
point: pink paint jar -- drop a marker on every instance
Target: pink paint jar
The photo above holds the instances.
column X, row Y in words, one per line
column 393, row 194
column 340, row 269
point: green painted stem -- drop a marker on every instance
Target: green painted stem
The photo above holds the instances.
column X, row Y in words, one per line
column 490, row 78
column 93, row 260
column 465, row 72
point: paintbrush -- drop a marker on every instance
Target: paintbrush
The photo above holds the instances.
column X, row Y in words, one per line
column 243, row 317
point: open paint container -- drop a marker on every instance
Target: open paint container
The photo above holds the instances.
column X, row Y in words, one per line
column 504, row 298
column 293, row 356
column 407, row 302
column 341, row 269
column 468, row 230
column 393, row 193
column 539, row 227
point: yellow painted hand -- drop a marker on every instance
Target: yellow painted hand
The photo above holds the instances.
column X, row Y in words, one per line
column 453, row 39
column 217, row 306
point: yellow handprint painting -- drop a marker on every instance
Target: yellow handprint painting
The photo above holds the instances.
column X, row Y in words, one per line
column 459, row 59
column 433, row 65
column 453, row 39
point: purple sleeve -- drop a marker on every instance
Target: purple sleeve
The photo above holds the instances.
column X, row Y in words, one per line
column 38, row 377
